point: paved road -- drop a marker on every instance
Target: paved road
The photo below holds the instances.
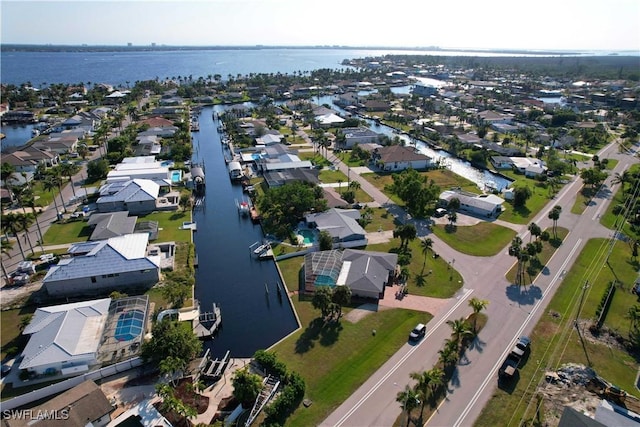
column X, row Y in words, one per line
column 511, row 312
column 45, row 219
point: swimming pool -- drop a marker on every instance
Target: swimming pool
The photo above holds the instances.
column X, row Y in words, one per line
column 324, row 280
column 176, row 176
column 168, row 163
column 129, row 325
column 309, row 236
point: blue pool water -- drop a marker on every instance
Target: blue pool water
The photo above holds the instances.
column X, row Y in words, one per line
column 308, row 235
column 166, row 163
column 323, row 280
column 129, row 325
column 176, row 176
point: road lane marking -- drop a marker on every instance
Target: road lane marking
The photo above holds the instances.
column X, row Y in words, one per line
column 402, row 360
column 489, row 377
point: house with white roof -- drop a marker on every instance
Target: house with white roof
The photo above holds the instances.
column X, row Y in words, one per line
column 488, row 205
column 138, row 196
column 358, row 135
column 341, row 224
column 328, row 120
column 143, row 167
column 366, row 273
column 104, row 266
column 65, row 338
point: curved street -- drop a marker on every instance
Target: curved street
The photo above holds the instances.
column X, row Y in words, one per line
column 511, row 312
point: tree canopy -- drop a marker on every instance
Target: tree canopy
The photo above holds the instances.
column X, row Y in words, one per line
column 171, row 339
column 416, row 191
column 283, row 207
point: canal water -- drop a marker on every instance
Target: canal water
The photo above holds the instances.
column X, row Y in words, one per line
column 228, row 274
column 483, row 178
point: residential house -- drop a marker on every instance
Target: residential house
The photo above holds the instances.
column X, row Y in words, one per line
column 65, row 338
column 366, row 273
column 521, row 164
column 145, row 167
column 486, row 205
column 269, row 139
column 61, row 142
column 492, row 117
column 137, row 196
column 329, row 120
column 103, row 266
column 358, row 135
column 341, row 224
column 142, row 414
column 81, row 406
column 398, row 158
column 277, row 157
column 112, row 224
column 280, row 177
column 424, row 89
column 28, row 159
column 502, row 162
column 147, row 145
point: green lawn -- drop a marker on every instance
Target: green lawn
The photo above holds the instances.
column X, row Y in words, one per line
column 169, row 225
column 550, row 348
column 583, row 198
column 328, row 176
column 540, row 196
column 482, row 239
column 428, row 276
column 610, row 220
column 60, row 233
column 335, row 359
column 548, row 249
column 381, row 220
column 315, row 158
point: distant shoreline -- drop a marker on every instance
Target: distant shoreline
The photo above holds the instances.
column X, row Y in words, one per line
column 138, row 48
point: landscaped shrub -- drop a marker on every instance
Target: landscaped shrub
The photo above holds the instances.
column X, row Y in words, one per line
column 605, row 301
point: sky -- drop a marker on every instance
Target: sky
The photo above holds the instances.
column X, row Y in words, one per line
column 609, row 25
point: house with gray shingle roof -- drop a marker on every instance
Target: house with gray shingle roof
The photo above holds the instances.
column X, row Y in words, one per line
column 341, row 224
column 104, row 266
column 366, row 273
column 112, row 224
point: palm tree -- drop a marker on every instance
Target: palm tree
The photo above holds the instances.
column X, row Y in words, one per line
column 50, row 184
column 426, row 244
column 409, row 400
column 25, row 221
column 459, row 329
column 622, row 179
column 6, row 250
column 452, row 217
column 554, row 215
column 448, row 355
column 423, row 381
column 535, row 230
column 477, row 305
column 436, row 381
column 68, row 170
column 634, row 316
column 515, row 250
column 11, row 223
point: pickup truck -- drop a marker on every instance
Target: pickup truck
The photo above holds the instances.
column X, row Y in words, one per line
column 509, row 367
column 511, row 363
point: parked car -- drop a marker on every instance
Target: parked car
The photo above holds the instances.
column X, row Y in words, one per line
column 521, row 346
column 418, row 332
column 440, row 212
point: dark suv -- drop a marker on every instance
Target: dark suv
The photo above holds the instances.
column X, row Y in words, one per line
column 418, row 332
